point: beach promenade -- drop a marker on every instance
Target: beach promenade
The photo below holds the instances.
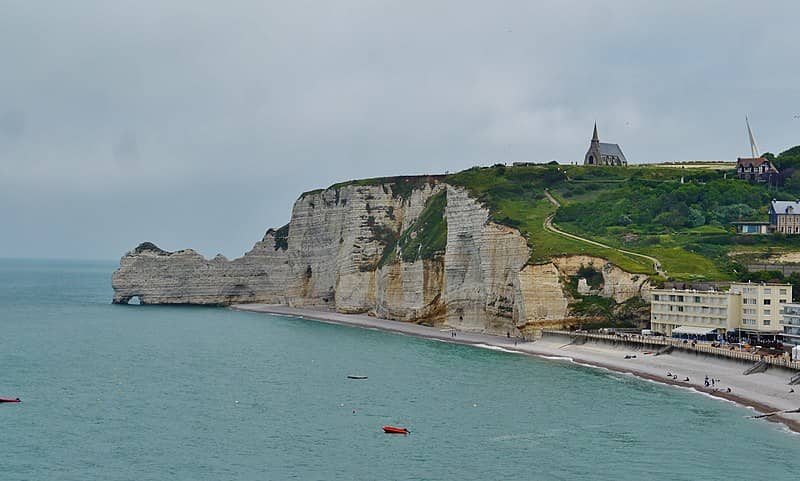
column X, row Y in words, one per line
column 766, row 392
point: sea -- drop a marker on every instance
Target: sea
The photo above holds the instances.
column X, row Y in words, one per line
column 190, row 393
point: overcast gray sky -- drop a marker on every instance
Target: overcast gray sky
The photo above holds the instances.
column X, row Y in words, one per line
column 196, row 123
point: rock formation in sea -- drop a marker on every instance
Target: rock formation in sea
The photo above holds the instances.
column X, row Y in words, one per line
column 408, row 248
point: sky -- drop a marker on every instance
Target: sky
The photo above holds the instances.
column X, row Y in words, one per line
column 196, row 124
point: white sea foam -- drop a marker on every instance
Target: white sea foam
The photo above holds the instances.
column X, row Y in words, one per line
column 561, row 358
column 496, row 348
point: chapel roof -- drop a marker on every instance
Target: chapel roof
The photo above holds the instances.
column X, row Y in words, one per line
column 611, row 149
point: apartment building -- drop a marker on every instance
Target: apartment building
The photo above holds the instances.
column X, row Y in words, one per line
column 791, row 324
column 745, row 308
column 761, row 306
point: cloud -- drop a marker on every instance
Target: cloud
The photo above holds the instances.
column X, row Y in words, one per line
column 136, row 109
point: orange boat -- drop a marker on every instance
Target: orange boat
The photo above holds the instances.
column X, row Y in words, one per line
column 395, row 430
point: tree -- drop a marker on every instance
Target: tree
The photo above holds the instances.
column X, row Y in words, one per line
column 696, row 217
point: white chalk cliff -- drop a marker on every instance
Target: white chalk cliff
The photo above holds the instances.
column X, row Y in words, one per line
column 368, row 249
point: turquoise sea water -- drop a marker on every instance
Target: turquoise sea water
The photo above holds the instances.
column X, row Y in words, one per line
column 153, row 393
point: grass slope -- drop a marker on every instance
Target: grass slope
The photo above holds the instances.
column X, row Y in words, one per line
column 680, row 214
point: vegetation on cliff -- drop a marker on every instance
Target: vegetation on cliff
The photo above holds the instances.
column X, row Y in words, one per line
column 423, row 239
column 282, row 238
column 515, row 197
column 401, row 186
column 149, row 247
column 679, row 213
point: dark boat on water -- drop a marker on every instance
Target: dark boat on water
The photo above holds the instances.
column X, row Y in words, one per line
column 395, row 430
column 9, row 400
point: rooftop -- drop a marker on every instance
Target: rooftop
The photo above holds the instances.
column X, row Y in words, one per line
column 755, row 162
column 786, row 206
column 611, row 149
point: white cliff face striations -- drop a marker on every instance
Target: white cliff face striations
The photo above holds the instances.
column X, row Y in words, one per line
column 341, row 251
column 185, row 277
column 336, row 239
column 481, row 265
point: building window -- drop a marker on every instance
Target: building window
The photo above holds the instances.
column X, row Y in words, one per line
column 680, row 308
column 680, row 298
column 767, row 291
column 783, row 292
column 767, row 302
column 697, row 299
column 767, row 312
column 766, row 322
column 783, row 301
column 655, row 297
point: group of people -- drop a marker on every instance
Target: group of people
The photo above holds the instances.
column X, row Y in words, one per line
column 709, row 382
column 674, row 377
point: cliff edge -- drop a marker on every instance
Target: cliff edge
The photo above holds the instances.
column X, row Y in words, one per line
column 415, row 249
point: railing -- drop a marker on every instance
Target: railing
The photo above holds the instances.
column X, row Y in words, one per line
column 679, row 344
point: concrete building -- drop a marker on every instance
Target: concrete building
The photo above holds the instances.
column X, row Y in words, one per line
column 601, row 153
column 694, row 313
column 761, row 306
column 745, row 310
column 791, row 324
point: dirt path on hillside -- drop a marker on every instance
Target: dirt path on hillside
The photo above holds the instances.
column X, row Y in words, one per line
column 548, row 225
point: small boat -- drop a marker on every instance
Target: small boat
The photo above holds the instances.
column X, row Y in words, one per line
column 355, row 376
column 9, row 400
column 395, row 430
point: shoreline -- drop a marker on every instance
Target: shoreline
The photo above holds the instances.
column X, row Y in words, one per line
column 763, row 392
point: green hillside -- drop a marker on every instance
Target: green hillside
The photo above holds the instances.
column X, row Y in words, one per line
column 680, row 214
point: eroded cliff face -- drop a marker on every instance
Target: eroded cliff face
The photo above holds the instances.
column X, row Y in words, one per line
column 327, row 256
column 185, row 277
column 481, row 266
column 617, row 283
column 374, row 249
column 546, row 297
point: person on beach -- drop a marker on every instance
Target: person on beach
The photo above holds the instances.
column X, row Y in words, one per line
column 729, row 389
column 687, row 379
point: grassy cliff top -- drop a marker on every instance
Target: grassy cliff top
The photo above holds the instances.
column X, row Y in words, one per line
column 680, row 213
column 401, row 186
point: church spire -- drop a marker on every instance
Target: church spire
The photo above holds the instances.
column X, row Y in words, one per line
column 594, row 135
